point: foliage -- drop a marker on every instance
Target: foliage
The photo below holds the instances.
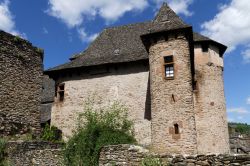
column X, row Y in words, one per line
column 39, row 50
column 3, row 161
column 151, row 161
column 241, row 128
column 97, row 128
column 18, row 39
column 51, row 133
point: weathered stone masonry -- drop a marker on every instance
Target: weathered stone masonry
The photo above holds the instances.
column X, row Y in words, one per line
column 126, row 83
column 128, row 155
column 34, row 153
column 20, row 86
column 172, row 99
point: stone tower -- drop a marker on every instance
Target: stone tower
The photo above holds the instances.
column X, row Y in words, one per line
column 210, row 109
column 187, row 89
column 171, row 61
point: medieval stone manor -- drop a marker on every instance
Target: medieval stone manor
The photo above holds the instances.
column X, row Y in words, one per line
column 169, row 77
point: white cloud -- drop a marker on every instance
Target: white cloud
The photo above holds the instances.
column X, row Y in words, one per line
column 85, row 37
column 239, row 110
column 248, row 100
column 231, row 26
column 74, row 12
column 246, row 55
column 7, row 22
column 6, row 18
column 179, row 6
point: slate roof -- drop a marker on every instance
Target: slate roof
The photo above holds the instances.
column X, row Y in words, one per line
column 123, row 43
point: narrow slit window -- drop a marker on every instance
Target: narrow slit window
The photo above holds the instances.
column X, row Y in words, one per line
column 169, row 67
column 176, row 129
column 60, row 91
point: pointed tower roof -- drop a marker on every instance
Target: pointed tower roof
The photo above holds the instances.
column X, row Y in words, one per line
column 167, row 19
column 167, row 14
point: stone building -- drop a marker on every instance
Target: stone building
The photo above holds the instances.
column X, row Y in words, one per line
column 169, row 77
column 21, row 70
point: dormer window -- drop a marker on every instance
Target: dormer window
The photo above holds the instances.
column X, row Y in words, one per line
column 169, row 67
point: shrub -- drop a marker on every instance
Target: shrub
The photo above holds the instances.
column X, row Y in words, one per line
column 97, row 128
column 51, row 133
column 3, row 161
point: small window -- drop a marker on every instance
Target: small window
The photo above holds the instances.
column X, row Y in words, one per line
column 176, row 129
column 204, row 48
column 169, row 67
column 60, row 92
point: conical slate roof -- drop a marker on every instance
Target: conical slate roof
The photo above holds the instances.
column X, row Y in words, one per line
column 123, row 43
column 167, row 14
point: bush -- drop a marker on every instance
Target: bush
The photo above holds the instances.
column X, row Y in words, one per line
column 97, row 128
column 51, row 133
column 3, row 161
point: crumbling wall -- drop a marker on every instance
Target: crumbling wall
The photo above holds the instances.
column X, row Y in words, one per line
column 20, row 86
column 124, row 155
column 240, row 145
column 34, row 153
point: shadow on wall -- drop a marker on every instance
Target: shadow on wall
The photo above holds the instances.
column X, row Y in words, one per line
column 147, row 114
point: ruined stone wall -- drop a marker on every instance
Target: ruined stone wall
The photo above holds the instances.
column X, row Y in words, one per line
column 211, row 121
column 172, row 99
column 127, row 83
column 20, row 86
column 240, row 145
column 34, row 153
column 125, row 155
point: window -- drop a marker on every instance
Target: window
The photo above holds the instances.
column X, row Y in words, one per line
column 60, row 92
column 176, row 129
column 204, row 48
column 169, row 67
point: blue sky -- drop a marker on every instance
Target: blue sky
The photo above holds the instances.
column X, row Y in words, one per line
column 66, row 27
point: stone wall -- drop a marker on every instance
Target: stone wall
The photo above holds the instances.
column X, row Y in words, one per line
column 21, row 70
column 34, row 153
column 172, row 99
column 240, row 145
column 127, row 83
column 210, row 108
column 126, row 155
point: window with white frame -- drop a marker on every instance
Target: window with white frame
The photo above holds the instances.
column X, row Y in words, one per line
column 169, row 67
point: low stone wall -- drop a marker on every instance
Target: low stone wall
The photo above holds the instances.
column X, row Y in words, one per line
column 240, row 145
column 124, row 155
column 34, row 153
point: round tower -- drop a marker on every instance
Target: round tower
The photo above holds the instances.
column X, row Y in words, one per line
column 169, row 44
column 210, row 108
